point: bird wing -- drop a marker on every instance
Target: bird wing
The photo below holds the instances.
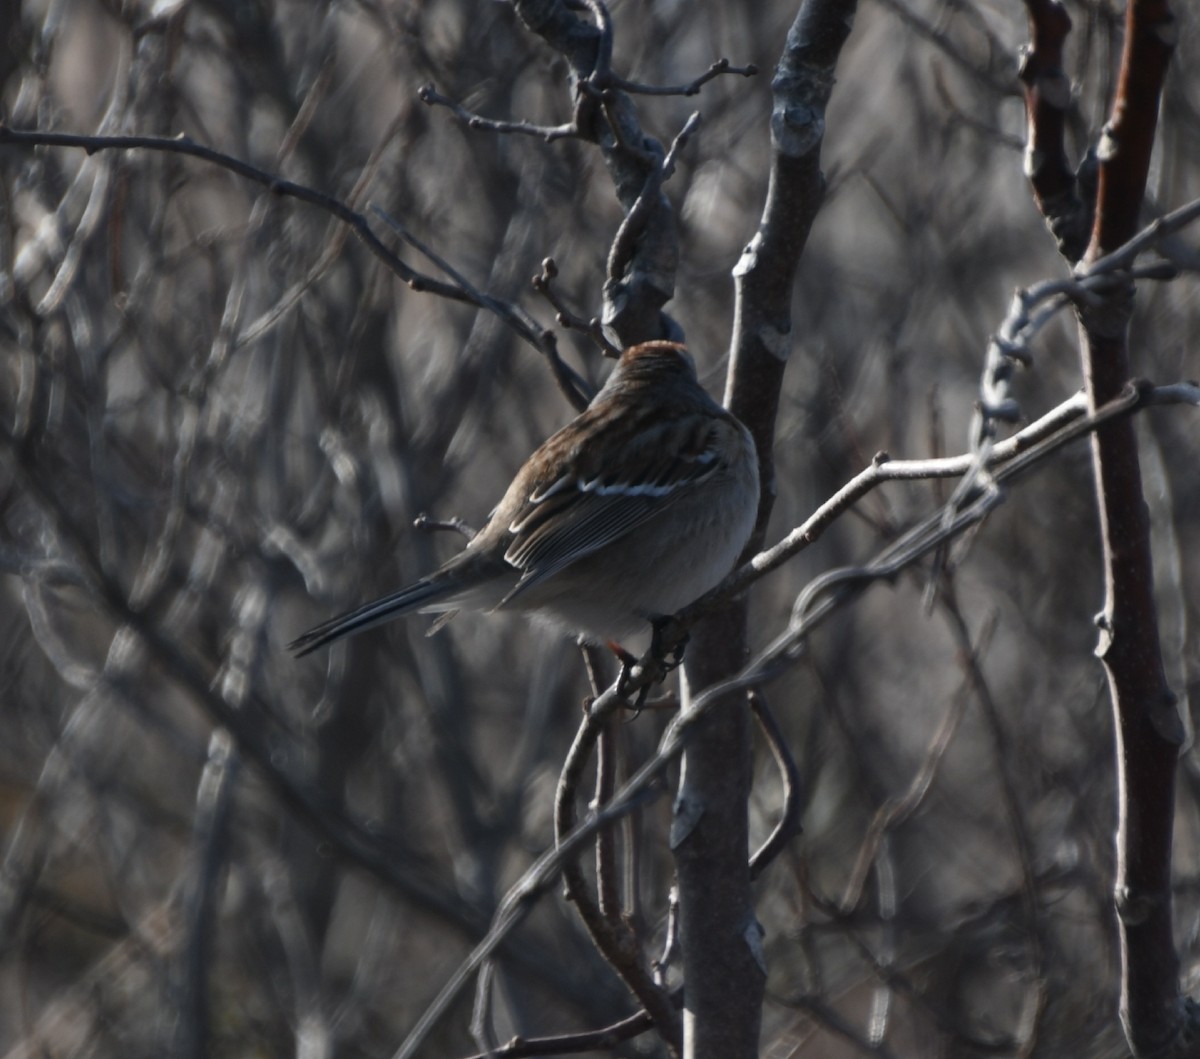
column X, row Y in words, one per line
column 619, row 474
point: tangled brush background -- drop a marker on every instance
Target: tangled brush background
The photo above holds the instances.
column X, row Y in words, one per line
column 230, row 414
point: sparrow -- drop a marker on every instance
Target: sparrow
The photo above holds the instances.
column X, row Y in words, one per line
column 633, row 510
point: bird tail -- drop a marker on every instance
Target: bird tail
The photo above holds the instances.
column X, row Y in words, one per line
column 415, row 596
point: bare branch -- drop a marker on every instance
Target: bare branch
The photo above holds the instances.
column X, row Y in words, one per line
column 543, row 284
column 611, row 934
column 815, row 604
column 605, row 114
column 510, row 314
column 721, row 66
column 569, row 1043
column 1047, row 98
column 432, row 525
column 432, row 97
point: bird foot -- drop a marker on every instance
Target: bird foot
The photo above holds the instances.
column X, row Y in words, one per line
column 631, row 667
column 667, row 644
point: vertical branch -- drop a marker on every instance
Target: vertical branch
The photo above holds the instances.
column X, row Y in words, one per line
column 613, row 937
column 765, row 275
column 1128, row 138
column 720, row 939
column 607, row 892
column 206, row 862
column 1149, row 733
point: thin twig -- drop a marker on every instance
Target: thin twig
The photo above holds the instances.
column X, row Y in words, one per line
column 573, row 386
column 601, row 1040
column 432, row 97
column 431, row 525
column 691, row 88
column 543, row 284
column 899, row 809
column 206, row 864
column 1006, row 769
column 670, row 950
column 828, row 1017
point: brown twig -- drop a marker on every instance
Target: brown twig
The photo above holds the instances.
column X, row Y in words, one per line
column 1157, row 1020
column 1128, row 139
column 543, row 283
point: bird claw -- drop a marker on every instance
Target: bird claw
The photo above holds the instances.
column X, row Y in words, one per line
column 667, row 645
column 628, row 664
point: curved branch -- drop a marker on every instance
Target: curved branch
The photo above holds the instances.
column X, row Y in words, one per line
column 612, row 936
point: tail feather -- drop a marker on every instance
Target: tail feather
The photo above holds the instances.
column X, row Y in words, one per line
column 371, row 614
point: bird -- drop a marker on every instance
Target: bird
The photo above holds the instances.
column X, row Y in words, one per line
column 631, row 511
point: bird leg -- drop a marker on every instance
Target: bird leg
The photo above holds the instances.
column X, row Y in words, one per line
column 628, row 663
column 668, row 642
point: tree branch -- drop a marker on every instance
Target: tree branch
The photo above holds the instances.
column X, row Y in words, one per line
column 723, row 961
column 815, row 604
column 1047, row 98
column 1157, row 1020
